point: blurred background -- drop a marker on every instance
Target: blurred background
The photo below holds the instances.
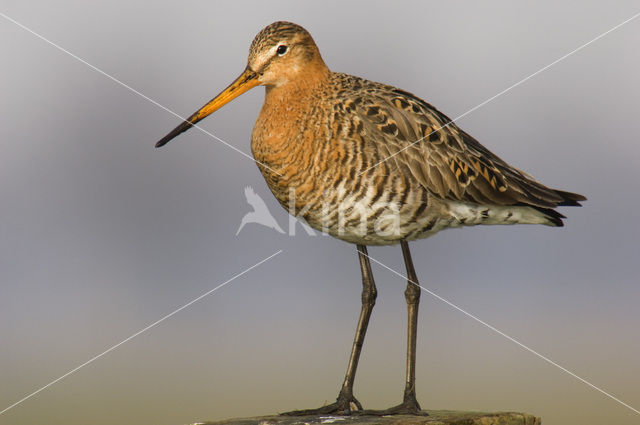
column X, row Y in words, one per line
column 101, row 234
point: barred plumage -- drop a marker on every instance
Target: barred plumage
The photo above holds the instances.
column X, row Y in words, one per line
column 435, row 175
column 373, row 165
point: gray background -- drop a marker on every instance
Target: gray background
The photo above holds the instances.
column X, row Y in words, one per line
column 101, row 235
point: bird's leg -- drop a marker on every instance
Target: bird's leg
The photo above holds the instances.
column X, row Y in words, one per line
column 409, row 404
column 369, row 295
column 412, row 295
column 346, row 403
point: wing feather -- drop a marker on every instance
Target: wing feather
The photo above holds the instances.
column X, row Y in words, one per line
column 412, row 135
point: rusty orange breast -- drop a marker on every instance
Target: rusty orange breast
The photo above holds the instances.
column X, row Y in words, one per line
column 286, row 139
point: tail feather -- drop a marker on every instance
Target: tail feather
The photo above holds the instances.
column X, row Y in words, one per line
column 524, row 212
column 570, row 199
column 554, row 217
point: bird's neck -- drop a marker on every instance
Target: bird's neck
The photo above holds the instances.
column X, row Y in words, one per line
column 286, row 103
column 280, row 129
column 299, row 86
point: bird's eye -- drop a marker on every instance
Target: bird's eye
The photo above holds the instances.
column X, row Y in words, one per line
column 282, row 49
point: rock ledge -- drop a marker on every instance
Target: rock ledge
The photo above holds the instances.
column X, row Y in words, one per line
column 436, row 417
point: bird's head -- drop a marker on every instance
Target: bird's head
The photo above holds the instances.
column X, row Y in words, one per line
column 282, row 53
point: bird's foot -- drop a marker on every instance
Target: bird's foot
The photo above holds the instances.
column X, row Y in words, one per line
column 409, row 406
column 345, row 405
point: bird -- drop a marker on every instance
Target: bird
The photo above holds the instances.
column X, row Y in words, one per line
column 260, row 213
column 372, row 165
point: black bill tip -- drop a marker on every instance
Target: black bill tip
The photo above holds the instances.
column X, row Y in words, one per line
column 184, row 126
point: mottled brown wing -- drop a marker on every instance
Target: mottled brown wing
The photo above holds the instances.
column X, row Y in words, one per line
column 415, row 137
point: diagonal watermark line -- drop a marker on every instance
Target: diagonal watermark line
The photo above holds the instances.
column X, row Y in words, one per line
column 505, row 90
column 546, row 359
column 139, row 332
column 95, row 68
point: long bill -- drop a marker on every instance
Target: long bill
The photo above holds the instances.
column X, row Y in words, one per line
column 243, row 83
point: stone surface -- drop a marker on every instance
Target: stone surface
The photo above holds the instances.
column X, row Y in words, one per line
column 436, row 417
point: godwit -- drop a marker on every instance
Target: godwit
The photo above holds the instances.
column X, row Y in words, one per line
column 372, row 165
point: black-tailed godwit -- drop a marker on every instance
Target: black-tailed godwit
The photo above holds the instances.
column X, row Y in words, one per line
column 372, row 164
